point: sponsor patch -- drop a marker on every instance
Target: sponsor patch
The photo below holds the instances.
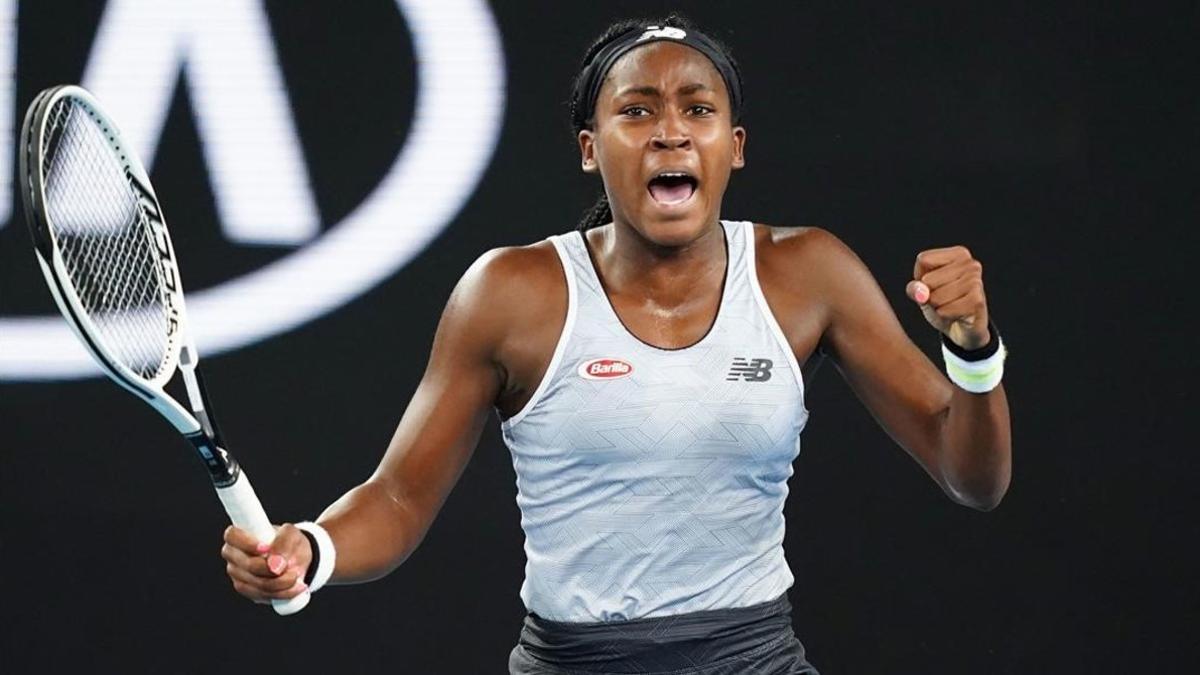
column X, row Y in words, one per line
column 750, row 370
column 604, row 369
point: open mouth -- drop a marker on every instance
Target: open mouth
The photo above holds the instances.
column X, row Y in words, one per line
column 672, row 187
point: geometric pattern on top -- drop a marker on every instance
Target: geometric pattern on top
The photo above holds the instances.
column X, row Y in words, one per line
column 651, row 482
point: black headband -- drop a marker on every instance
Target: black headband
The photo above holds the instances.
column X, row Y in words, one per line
column 597, row 69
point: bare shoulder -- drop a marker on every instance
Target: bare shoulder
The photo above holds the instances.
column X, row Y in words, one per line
column 803, row 254
column 796, row 240
column 518, row 263
column 809, row 277
column 511, row 300
column 510, row 273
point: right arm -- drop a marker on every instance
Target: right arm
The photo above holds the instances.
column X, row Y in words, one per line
column 378, row 524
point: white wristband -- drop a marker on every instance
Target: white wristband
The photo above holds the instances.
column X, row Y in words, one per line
column 325, row 556
column 977, row 377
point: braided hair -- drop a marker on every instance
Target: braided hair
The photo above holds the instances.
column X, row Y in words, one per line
column 600, row 213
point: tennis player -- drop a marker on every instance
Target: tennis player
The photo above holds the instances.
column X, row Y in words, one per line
column 647, row 372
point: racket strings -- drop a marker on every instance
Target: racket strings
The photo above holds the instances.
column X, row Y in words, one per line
column 106, row 241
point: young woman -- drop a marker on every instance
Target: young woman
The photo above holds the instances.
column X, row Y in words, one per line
column 647, row 369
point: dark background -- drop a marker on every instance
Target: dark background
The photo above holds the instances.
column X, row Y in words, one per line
column 1053, row 139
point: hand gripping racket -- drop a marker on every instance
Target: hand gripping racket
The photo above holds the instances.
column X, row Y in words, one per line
column 103, row 246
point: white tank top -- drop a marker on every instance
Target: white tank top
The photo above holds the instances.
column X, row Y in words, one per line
column 651, row 481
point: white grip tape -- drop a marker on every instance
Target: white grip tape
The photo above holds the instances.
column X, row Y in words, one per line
column 246, row 512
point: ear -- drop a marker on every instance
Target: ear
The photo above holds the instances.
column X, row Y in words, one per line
column 587, row 151
column 739, row 147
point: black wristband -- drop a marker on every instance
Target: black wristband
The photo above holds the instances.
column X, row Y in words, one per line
column 983, row 353
column 311, row 572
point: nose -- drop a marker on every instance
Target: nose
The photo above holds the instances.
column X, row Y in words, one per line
column 671, row 134
column 674, row 142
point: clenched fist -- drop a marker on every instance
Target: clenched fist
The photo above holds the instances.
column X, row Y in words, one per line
column 948, row 285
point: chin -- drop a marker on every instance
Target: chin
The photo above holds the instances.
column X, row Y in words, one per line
column 676, row 230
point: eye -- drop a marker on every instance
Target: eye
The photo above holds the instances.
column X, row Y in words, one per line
column 635, row 111
column 699, row 110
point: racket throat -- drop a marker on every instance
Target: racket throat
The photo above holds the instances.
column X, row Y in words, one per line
column 196, row 392
column 222, row 468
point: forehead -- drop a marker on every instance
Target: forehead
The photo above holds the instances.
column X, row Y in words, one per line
column 660, row 64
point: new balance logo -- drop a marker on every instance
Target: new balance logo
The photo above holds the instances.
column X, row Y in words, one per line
column 750, row 370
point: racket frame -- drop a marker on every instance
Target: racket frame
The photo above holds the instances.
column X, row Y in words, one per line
column 196, row 425
column 223, row 469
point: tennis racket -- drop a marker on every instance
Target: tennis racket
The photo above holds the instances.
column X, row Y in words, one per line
column 104, row 248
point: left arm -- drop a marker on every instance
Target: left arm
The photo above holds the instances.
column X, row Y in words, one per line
column 961, row 439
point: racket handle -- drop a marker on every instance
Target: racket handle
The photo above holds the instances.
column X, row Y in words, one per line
column 246, row 512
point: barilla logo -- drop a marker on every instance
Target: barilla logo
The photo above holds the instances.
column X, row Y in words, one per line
column 604, row 369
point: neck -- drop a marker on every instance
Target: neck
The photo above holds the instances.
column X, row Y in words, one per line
column 667, row 273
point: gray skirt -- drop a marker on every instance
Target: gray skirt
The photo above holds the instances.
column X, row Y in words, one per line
column 755, row 640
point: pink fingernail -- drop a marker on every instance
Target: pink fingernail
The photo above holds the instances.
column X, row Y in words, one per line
column 275, row 563
column 262, row 548
column 922, row 293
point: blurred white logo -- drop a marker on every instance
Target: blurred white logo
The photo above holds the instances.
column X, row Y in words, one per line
column 257, row 172
column 668, row 32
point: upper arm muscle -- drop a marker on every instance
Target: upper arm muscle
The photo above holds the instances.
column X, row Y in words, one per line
column 893, row 378
column 443, row 422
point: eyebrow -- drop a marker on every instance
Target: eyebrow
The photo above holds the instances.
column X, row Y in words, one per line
column 649, row 90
